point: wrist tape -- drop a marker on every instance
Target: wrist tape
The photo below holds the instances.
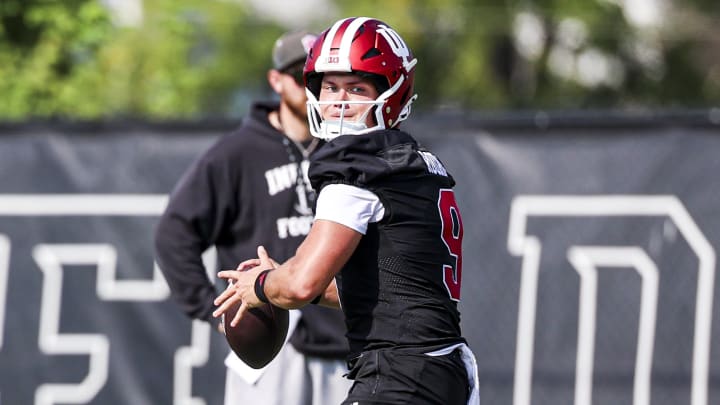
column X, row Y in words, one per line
column 260, row 286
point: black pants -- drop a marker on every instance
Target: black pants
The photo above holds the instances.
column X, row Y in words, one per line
column 402, row 376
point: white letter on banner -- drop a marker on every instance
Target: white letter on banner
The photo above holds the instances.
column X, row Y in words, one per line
column 51, row 258
column 585, row 259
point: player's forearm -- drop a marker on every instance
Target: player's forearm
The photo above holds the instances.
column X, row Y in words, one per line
column 308, row 274
column 330, row 298
column 291, row 286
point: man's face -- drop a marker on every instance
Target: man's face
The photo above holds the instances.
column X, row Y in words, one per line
column 293, row 90
column 348, row 97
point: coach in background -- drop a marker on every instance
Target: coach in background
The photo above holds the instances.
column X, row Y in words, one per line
column 250, row 189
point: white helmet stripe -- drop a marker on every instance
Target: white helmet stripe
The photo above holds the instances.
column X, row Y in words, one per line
column 348, row 36
column 340, row 63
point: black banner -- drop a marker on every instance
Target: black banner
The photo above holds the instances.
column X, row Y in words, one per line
column 589, row 262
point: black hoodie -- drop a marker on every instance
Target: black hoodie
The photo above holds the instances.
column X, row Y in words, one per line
column 243, row 192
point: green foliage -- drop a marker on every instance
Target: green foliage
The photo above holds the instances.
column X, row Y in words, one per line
column 46, row 56
column 468, row 54
column 187, row 60
column 195, row 59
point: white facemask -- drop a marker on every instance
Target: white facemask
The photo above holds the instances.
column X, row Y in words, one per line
column 329, row 129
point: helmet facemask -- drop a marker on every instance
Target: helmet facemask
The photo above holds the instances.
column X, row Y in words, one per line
column 329, row 129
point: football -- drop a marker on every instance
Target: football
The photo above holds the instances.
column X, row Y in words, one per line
column 259, row 335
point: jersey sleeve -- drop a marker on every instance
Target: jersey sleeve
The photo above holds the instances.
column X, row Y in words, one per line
column 348, row 205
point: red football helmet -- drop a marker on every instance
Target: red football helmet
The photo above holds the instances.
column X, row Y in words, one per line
column 370, row 48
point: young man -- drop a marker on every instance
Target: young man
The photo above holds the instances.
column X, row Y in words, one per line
column 251, row 188
column 386, row 243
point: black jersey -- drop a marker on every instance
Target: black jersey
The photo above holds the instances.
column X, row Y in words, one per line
column 402, row 284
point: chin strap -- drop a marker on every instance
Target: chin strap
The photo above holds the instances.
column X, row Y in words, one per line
column 333, row 129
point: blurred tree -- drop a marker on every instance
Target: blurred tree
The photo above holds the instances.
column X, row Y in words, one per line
column 559, row 54
column 187, row 59
column 192, row 59
column 453, row 40
column 46, row 56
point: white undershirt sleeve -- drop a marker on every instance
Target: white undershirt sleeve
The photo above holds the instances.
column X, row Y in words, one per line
column 348, row 205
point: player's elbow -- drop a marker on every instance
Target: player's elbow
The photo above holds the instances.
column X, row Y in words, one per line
column 305, row 280
column 303, row 292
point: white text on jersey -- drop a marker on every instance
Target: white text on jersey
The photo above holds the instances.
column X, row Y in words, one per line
column 433, row 164
column 284, row 177
column 294, row 226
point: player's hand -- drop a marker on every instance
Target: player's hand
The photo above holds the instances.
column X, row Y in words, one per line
column 248, row 264
column 265, row 261
column 241, row 287
column 240, row 290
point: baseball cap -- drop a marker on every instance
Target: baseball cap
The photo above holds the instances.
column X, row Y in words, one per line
column 292, row 48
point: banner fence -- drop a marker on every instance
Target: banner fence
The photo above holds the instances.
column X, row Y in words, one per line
column 589, row 259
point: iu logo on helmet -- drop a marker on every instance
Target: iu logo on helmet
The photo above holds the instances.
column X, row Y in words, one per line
column 398, row 46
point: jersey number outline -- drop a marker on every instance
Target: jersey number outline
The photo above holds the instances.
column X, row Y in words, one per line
column 452, row 234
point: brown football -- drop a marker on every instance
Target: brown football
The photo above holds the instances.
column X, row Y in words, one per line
column 259, row 335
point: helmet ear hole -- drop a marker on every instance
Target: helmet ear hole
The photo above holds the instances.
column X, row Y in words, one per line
column 314, row 80
column 404, row 97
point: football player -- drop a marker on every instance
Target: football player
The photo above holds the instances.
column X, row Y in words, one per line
column 386, row 242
